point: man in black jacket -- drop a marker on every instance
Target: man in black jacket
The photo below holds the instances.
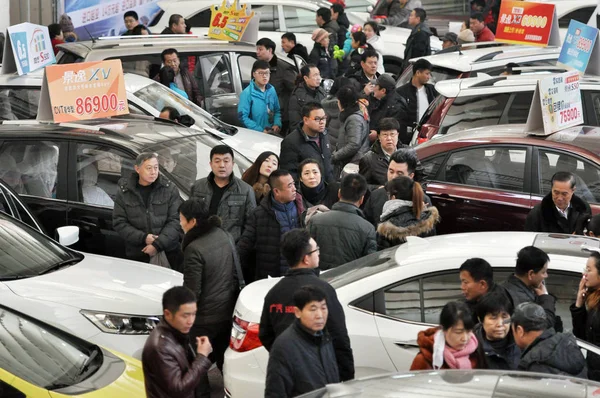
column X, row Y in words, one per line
column 418, row 43
column 291, row 47
column 383, row 102
column 374, row 165
column 308, row 141
column 342, row 233
column 324, row 21
column 283, row 76
column 415, row 97
column 302, row 254
column 339, row 16
column 527, row 285
column 561, row 211
column 544, row 350
column 368, row 72
column 176, row 26
column 145, row 213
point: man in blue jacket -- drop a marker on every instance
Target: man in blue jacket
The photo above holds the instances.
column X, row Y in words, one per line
column 258, row 108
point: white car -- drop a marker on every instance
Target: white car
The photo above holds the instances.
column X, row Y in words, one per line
column 108, row 301
column 145, row 96
column 391, row 295
column 295, row 16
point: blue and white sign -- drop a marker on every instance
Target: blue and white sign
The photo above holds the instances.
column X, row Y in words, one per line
column 580, row 49
column 27, row 48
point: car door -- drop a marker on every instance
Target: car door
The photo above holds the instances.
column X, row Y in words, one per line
column 587, row 175
column 482, row 188
column 11, row 204
column 95, row 169
column 215, row 79
column 36, row 170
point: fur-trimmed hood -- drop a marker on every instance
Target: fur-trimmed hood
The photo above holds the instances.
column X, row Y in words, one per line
column 261, row 190
column 403, row 224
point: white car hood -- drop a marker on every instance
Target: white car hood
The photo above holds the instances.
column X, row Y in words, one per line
column 252, row 143
column 103, row 284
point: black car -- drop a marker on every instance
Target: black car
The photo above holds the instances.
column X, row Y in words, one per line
column 67, row 174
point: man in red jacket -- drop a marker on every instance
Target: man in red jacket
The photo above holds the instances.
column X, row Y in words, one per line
column 480, row 30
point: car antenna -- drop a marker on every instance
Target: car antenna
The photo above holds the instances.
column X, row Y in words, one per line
column 89, row 34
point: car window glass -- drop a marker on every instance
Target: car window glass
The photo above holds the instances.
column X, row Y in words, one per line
column 519, row 107
column 404, row 301
column 269, row 17
column 66, row 57
column 19, row 103
column 432, row 165
column 214, row 74
column 201, row 19
column 594, row 97
column 30, row 167
column 147, row 65
column 245, row 63
column 474, row 111
column 582, row 15
column 488, row 167
column 136, row 110
column 587, row 176
column 24, row 213
column 4, row 206
column 299, row 20
column 99, row 169
column 37, row 354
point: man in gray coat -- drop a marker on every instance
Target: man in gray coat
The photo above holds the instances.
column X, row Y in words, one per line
column 343, row 234
column 227, row 196
column 145, row 213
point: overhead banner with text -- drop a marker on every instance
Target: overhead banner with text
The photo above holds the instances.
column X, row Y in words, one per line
column 522, row 22
column 556, row 104
column 88, row 90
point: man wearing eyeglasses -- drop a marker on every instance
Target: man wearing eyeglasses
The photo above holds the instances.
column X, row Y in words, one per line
column 302, row 254
column 259, row 108
column 374, row 165
column 309, row 140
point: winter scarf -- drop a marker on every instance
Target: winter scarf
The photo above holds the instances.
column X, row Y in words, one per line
column 455, row 359
column 314, row 195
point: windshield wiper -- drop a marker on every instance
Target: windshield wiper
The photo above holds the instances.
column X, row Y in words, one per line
column 61, row 264
column 89, row 361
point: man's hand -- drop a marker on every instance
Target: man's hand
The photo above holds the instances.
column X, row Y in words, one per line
column 276, row 129
column 368, row 88
column 581, row 293
column 204, row 346
column 150, row 250
column 541, row 289
column 150, row 239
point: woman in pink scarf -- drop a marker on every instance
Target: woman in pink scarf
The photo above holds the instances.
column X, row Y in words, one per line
column 452, row 345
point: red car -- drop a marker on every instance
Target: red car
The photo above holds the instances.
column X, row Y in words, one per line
column 488, row 178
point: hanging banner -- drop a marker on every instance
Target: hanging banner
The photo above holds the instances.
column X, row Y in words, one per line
column 27, row 48
column 556, row 104
column 88, row 90
column 581, row 49
column 233, row 23
column 523, row 22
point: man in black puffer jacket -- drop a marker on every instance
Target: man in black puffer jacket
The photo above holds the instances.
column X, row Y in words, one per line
column 384, row 102
column 302, row 254
column 145, row 213
column 544, row 350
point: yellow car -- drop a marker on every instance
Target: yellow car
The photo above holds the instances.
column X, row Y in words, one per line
column 38, row 360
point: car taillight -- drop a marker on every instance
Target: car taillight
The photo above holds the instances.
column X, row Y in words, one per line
column 244, row 335
column 422, row 140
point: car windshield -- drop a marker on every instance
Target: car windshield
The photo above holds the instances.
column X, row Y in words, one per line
column 25, row 252
column 437, row 75
column 42, row 356
column 158, row 96
column 361, row 268
column 186, row 160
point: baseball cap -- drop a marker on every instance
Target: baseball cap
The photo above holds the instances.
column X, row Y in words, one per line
column 386, row 81
column 530, row 316
column 450, row 36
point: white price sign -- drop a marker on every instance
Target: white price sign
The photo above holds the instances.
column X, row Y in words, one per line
column 560, row 98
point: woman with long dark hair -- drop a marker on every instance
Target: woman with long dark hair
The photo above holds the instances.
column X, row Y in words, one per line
column 257, row 175
column 405, row 213
column 314, row 190
column 308, row 89
column 359, row 46
column 586, row 312
column 452, row 344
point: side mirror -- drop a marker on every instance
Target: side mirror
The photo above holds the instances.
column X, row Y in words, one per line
column 68, row 236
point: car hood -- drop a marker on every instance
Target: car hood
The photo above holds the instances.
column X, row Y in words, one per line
column 103, row 284
column 250, row 302
column 252, row 143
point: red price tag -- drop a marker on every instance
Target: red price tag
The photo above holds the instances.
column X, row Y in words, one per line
column 218, row 22
column 96, row 104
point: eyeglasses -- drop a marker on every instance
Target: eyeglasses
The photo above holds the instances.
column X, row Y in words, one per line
column 386, row 135
column 316, row 250
column 319, row 119
column 263, row 73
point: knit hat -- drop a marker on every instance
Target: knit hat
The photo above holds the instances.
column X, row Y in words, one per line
column 386, row 81
column 66, row 25
column 466, row 36
column 319, row 34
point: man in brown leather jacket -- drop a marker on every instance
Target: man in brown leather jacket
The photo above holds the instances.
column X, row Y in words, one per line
column 171, row 366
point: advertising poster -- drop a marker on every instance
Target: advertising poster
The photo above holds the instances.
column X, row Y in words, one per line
column 522, row 22
column 88, row 90
column 229, row 22
column 27, row 48
column 580, row 50
column 105, row 17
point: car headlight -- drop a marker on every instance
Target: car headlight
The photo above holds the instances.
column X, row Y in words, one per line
column 121, row 323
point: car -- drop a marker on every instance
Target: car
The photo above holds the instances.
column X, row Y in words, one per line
column 109, row 302
column 482, row 101
column 391, row 295
column 39, row 360
column 489, row 178
column 475, row 61
column 222, row 69
column 295, row 16
column 20, row 96
column 460, row 383
column 57, row 169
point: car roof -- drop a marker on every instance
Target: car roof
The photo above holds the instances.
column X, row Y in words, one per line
column 479, row 58
column 584, row 137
